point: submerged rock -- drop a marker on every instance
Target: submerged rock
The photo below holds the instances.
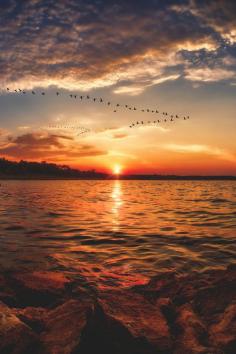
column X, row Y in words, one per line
column 39, row 288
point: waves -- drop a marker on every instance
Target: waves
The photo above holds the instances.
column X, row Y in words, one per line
column 116, row 231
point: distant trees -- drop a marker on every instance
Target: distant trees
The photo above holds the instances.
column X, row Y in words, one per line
column 25, row 169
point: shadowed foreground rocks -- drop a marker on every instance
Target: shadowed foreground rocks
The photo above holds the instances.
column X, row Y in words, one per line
column 48, row 312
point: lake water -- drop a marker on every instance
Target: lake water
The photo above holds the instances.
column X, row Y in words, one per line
column 117, row 233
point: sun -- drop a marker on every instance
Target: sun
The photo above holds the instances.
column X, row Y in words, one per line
column 117, row 170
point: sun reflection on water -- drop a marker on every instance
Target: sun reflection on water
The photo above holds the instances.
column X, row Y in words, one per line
column 117, row 202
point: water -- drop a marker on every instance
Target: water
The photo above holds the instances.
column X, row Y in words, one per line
column 117, row 233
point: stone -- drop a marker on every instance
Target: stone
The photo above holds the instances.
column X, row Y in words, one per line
column 39, row 288
column 142, row 319
column 64, row 325
column 223, row 333
column 192, row 337
column 15, row 336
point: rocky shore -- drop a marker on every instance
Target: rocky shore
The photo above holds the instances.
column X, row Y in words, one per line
column 51, row 313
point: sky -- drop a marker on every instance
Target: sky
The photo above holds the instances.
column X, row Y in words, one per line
column 167, row 56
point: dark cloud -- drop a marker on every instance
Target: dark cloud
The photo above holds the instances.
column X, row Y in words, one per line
column 46, row 146
column 73, row 43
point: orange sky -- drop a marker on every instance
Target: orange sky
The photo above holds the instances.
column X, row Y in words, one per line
column 175, row 57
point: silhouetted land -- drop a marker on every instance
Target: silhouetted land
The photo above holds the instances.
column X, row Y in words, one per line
column 44, row 170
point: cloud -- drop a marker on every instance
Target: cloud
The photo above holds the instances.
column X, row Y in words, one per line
column 47, row 147
column 86, row 44
column 218, row 14
column 136, row 89
column 209, row 74
column 120, row 136
column 198, row 149
column 3, row 133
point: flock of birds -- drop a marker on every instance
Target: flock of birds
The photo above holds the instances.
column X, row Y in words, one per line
column 81, row 130
column 141, row 123
column 163, row 117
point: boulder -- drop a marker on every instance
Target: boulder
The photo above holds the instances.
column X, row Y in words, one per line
column 39, row 288
column 64, row 326
column 143, row 320
column 223, row 333
column 192, row 336
column 15, row 336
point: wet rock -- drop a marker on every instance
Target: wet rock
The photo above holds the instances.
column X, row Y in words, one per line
column 39, row 288
column 143, row 320
column 162, row 285
column 63, row 327
column 192, row 337
column 223, row 333
column 212, row 300
column 7, row 295
column 34, row 317
column 15, row 336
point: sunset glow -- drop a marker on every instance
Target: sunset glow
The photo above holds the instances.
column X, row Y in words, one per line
column 117, row 170
column 82, row 104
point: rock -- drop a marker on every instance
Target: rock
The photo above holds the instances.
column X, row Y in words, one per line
column 39, row 288
column 164, row 284
column 192, row 338
column 212, row 300
column 64, row 325
column 223, row 333
column 143, row 320
column 7, row 295
column 34, row 317
column 15, row 336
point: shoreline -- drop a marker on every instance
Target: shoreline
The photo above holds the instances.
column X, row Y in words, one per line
column 125, row 178
column 56, row 313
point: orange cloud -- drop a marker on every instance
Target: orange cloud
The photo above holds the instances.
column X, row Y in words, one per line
column 46, row 146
